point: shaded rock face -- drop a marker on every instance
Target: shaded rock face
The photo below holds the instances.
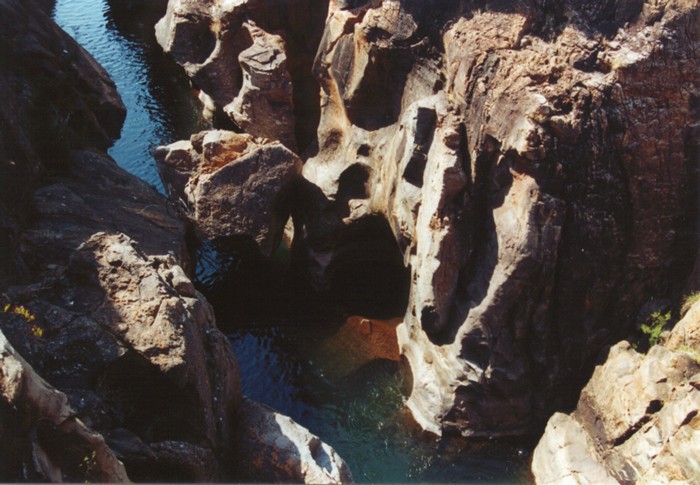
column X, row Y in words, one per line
column 231, row 184
column 135, row 349
column 636, row 420
column 252, row 61
column 276, row 449
column 55, row 96
column 537, row 167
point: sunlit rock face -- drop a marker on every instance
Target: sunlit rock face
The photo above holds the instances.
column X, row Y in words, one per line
column 232, row 184
column 636, row 420
column 537, row 166
column 252, row 61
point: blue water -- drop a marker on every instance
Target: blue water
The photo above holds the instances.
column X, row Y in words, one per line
column 300, row 367
column 159, row 110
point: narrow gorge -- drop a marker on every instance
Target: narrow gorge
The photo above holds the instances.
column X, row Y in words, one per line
column 325, row 241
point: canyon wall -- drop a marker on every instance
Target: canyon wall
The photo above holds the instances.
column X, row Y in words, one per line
column 537, row 163
column 538, row 166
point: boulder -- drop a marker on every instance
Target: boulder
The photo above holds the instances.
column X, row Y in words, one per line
column 232, row 184
column 135, row 349
column 278, row 450
column 513, row 150
column 636, row 420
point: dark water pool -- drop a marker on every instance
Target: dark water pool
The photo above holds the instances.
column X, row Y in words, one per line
column 336, row 379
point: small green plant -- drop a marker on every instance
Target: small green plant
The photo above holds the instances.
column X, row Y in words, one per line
column 34, row 329
column 688, row 302
column 654, row 326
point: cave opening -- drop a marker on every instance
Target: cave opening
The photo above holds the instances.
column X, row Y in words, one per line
column 366, row 275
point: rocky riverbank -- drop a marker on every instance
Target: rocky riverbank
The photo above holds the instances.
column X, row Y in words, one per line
column 111, row 365
column 533, row 165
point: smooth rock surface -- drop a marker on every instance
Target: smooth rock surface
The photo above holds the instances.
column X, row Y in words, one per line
column 232, row 184
column 278, row 450
column 515, row 149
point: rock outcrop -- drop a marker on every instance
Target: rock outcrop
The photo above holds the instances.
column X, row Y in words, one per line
column 536, row 164
column 636, row 421
column 279, row 450
column 41, row 64
column 252, row 61
column 232, row 184
column 134, row 347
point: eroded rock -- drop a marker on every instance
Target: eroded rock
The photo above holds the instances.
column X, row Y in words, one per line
column 232, row 184
column 636, row 421
column 276, row 449
column 511, row 149
column 252, row 61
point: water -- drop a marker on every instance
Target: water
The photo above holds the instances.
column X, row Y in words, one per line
column 160, row 107
column 340, row 380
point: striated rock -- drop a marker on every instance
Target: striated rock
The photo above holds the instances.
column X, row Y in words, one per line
column 252, row 61
column 636, row 421
column 514, row 150
column 232, row 184
column 278, row 450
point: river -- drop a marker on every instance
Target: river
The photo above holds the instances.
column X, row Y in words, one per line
column 321, row 373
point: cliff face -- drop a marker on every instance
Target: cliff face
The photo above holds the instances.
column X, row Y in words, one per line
column 537, row 164
column 111, row 365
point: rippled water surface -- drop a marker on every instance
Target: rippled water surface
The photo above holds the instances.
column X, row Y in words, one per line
column 342, row 381
column 160, row 106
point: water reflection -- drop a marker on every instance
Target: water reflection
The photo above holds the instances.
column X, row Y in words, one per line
column 160, row 106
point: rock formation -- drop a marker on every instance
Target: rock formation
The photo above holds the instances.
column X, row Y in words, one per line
column 636, row 420
column 252, row 61
column 536, row 164
column 279, row 450
column 231, row 184
column 111, row 365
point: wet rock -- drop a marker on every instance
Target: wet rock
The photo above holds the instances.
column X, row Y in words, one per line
column 278, row 450
column 510, row 148
column 636, row 420
column 232, row 184
column 252, row 61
